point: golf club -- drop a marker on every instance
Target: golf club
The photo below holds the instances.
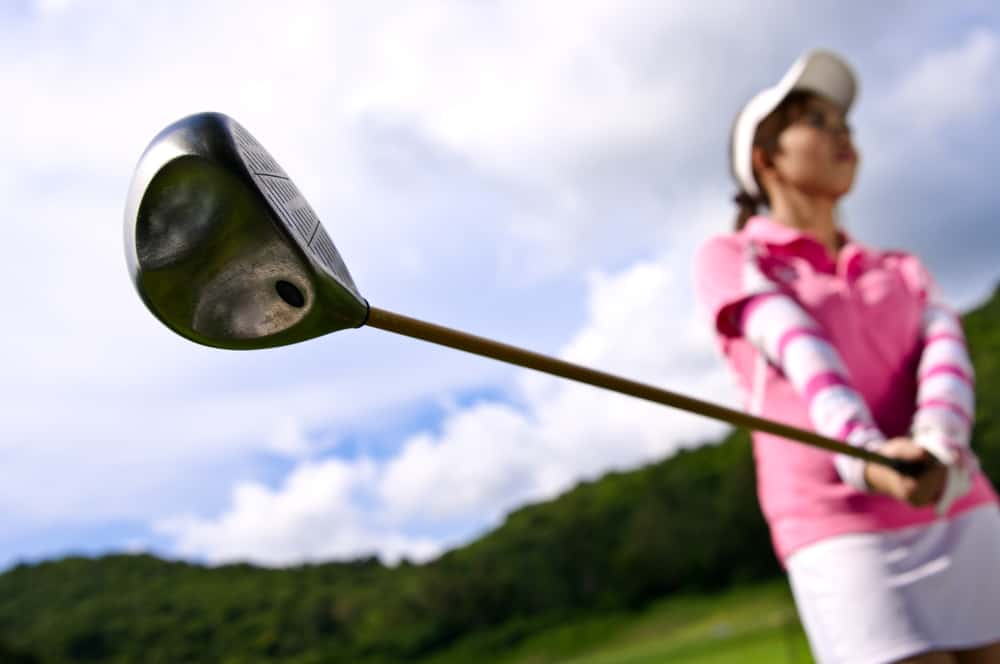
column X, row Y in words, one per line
column 225, row 251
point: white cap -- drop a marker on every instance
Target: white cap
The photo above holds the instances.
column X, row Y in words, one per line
column 822, row 72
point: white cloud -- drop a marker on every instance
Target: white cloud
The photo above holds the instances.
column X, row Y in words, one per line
column 926, row 133
column 948, row 86
column 315, row 517
column 54, row 6
column 563, row 90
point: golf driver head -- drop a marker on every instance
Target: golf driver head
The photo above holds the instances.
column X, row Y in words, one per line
column 223, row 248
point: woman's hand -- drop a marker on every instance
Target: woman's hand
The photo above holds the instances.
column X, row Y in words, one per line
column 917, row 491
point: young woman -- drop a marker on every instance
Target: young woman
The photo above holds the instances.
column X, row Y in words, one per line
column 825, row 333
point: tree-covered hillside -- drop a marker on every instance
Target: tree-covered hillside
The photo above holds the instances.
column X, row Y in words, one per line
column 690, row 523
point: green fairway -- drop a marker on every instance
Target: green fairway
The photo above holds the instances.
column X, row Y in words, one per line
column 756, row 624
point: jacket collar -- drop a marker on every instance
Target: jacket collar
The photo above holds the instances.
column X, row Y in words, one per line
column 766, row 231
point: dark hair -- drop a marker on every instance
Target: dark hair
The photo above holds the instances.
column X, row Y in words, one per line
column 766, row 137
column 749, row 205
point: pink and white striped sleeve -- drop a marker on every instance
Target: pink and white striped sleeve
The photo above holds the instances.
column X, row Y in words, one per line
column 791, row 340
column 945, row 377
column 942, row 423
column 945, row 388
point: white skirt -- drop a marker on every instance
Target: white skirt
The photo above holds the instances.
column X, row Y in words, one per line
column 874, row 598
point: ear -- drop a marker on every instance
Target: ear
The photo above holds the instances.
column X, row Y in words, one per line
column 760, row 160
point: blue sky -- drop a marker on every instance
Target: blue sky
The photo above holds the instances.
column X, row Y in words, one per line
column 539, row 173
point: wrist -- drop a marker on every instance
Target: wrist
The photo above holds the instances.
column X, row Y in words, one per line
column 857, row 472
column 874, row 478
column 853, row 472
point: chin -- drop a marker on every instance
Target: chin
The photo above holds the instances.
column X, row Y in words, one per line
column 843, row 184
column 843, row 189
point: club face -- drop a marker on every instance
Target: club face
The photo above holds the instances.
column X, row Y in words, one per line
column 223, row 248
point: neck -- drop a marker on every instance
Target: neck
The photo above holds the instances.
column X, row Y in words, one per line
column 812, row 215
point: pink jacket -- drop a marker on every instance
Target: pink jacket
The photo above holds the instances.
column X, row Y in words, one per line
column 870, row 306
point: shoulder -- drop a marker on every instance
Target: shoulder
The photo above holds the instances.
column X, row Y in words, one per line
column 719, row 279
column 720, row 252
column 915, row 274
column 718, row 261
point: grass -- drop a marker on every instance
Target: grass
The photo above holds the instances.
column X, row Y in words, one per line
column 747, row 626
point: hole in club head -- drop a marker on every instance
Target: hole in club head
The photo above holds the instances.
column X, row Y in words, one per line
column 290, row 294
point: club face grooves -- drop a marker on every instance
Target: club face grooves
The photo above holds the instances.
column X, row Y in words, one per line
column 213, row 225
column 291, row 206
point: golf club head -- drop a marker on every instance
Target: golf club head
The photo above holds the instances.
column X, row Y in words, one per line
column 223, row 248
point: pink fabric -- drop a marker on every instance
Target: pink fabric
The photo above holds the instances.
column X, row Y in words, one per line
column 822, row 381
column 945, row 336
column 953, row 407
column 850, row 427
column 870, row 306
column 951, row 369
column 791, row 335
column 747, row 310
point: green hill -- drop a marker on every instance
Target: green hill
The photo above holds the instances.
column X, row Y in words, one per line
column 600, row 553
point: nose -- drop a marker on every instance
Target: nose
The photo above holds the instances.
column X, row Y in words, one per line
column 843, row 144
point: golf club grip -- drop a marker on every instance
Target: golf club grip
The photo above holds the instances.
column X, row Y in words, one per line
column 910, row 468
column 436, row 334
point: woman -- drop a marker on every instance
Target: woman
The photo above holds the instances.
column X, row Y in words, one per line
column 825, row 333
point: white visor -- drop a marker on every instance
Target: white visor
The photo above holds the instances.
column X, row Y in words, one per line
column 822, row 72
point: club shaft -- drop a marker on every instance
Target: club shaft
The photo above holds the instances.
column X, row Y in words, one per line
column 411, row 327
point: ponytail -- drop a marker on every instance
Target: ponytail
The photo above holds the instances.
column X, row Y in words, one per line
column 748, row 207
